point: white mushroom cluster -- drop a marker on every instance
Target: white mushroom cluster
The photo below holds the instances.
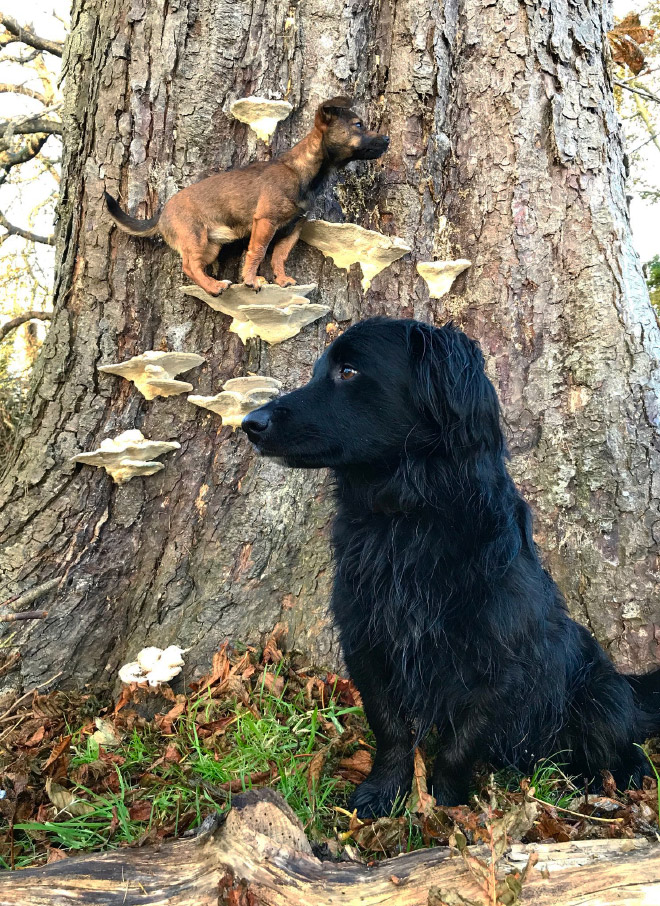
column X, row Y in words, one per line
column 274, row 314
column 348, row 243
column 154, row 373
column 239, row 396
column 154, row 666
column 127, row 455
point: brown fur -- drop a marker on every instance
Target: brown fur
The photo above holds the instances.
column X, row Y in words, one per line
column 258, row 201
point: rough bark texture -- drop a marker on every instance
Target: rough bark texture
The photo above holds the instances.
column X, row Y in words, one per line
column 502, row 122
column 261, row 857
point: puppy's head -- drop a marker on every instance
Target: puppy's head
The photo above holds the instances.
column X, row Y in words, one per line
column 383, row 391
column 345, row 137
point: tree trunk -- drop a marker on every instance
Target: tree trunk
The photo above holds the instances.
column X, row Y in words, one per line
column 505, row 149
column 261, row 857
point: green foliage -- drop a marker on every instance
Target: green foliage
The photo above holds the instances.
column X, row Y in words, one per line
column 652, row 272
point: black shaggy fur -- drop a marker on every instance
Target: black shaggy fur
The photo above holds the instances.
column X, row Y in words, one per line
column 446, row 615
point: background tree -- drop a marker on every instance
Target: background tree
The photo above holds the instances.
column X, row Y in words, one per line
column 505, row 149
column 30, row 150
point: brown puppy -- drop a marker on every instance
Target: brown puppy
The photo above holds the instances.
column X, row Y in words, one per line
column 259, row 200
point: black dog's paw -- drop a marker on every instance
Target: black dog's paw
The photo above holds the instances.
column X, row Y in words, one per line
column 449, row 794
column 376, row 800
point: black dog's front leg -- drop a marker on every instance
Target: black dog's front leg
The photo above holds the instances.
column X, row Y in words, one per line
column 390, row 779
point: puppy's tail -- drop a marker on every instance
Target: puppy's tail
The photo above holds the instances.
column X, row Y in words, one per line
column 646, row 691
column 131, row 224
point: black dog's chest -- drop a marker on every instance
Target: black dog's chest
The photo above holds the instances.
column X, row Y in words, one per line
column 395, row 584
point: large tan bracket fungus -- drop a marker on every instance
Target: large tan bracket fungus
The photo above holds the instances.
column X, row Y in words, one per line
column 348, row 243
column 261, row 114
column 239, row 396
column 440, row 275
column 275, row 313
column 127, row 455
column 153, row 373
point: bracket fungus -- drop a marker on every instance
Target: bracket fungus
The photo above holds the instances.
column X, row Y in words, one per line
column 275, row 314
column 154, row 373
column 154, row 666
column 127, row 455
column 261, row 114
column 348, row 243
column 440, row 275
column 239, row 396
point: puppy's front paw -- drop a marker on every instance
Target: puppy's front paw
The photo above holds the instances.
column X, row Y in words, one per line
column 375, row 800
column 285, row 281
column 222, row 285
column 256, row 283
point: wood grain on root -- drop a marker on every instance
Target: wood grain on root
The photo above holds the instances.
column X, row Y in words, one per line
column 261, row 857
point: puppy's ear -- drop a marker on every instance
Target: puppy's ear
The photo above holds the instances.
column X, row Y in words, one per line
column 332, row 108
column 451, row 388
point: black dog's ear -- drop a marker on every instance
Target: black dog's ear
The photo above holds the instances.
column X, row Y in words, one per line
column 451, row 388
column 334, row 107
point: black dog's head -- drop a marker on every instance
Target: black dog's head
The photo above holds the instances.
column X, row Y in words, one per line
column 345, row 137
column 383, row 391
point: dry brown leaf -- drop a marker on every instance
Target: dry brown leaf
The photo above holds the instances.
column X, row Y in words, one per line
column 315, row 769
column 105, row 734
column 272, row 652
column 220, row 668
column 626, row 39
column 421, row 801
column 344, row 689
column 65, row 800
column 36, row 737
column 166, row 721
column 273, row 684
column 355, row 768
column 55, row 759
column 140, row 811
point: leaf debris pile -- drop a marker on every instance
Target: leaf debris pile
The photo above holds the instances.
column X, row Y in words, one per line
column 77, row 773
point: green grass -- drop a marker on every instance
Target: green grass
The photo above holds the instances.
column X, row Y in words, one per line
column 285, row 732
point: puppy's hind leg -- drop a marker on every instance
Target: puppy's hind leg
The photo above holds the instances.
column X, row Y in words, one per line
column 281, row 252
column 389, row 782
column 197, row 254
column 263, row 231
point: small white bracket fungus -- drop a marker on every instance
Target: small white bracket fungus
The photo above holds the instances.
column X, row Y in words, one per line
column 127, row 455
column 239, row 396
column 154, row 666
column 153, row 373
column 348, row 243
column 275, row 313
column 261, row 114
column 440, row 275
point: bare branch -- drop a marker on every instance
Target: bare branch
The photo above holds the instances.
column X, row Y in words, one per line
column 30, row 149
column 26, row 36
column 21, row 58
column 37, row 124
column 25, row 615
column 7, row 88
column 643, row 92
column 13, row 230
column 21, row 319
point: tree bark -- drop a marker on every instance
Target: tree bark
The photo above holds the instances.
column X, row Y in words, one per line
column 261, row 857
column 505, row 149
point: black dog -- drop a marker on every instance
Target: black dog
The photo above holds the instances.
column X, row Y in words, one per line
column 446, row 615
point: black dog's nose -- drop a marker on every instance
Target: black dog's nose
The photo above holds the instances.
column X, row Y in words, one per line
column 386, row 139
column 255, row 423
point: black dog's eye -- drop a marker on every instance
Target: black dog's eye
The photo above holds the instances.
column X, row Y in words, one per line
column 358, row 125
column 346, row 372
